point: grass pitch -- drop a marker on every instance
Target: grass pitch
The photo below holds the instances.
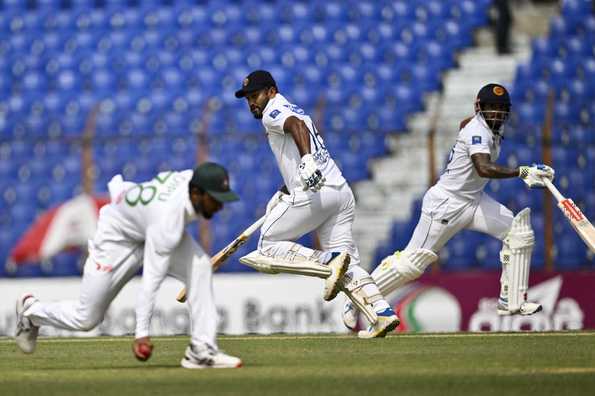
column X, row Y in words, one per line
column 433, row 364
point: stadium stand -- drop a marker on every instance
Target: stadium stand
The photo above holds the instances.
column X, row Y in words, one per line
column 153, row 69
column 562, row 63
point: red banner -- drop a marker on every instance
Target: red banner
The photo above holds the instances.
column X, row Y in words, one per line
column 467, row 301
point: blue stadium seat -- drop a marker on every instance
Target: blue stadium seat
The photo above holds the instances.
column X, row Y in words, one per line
column 63, row 264
column 152, row 66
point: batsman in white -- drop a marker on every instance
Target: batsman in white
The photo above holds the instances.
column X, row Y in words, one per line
column 457, row 201
column 144, row 225
column 315, row 197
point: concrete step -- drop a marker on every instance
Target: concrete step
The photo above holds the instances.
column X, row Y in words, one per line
column 403, row 177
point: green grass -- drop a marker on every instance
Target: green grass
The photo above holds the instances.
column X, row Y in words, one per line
column 443, row 364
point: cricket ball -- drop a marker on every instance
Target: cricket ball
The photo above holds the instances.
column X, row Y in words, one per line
column 143, row 351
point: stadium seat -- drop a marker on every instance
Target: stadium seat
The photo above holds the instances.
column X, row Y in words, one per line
column 152, row 67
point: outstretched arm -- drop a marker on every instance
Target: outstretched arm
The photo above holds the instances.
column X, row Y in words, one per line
column 532, row 175
column 487, row 169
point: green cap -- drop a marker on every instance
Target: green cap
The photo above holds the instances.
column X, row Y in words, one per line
column 213, row 179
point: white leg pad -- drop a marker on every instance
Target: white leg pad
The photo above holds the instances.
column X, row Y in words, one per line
column 296, row 264
column 354, row 290
column 401, row 268
column 505, row 261
column 519, row 241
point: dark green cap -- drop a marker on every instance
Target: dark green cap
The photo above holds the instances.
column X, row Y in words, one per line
column 213, row 179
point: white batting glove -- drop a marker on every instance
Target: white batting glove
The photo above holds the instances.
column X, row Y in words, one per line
column 533, row 175
column 310, row 174
column 275, row 199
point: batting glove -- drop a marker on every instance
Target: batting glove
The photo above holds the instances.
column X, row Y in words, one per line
column 533, row 175
column 310, row 174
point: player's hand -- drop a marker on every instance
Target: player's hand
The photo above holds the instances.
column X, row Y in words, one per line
column 310, row 174
column 142, row 348
column 533, row 175
column 275, row 199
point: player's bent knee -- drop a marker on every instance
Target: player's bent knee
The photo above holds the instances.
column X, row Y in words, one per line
column 411, row 264
column 259, row 262
column 402, row 268
column 90, row 321
column 521, row 233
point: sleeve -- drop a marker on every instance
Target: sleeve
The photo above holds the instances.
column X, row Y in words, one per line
column 160, row 242
column 477, row 141
column 274, row 119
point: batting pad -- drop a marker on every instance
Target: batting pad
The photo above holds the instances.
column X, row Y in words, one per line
column 299, row 265
column 519, row 241
column 401, row 268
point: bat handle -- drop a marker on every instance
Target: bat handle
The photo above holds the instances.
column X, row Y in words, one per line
column 550, row 186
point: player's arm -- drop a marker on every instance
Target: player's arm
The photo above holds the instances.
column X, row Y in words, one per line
column 532, row 175
column 489, row 170
column 310, row 174
column 299, row 131
column 161, row 239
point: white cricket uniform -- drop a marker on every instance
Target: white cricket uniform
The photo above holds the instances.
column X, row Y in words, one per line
column 457, row 200
column 143, row 226
column 330, row 212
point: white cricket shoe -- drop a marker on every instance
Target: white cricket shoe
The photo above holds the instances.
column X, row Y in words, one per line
column 205, row 356
column 350, row 315
column 338, row 264
column 26, row 333
column 387, row 322
column 527, row 308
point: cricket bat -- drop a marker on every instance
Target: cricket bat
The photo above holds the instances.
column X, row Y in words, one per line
column 577, row 219
column 227, row 251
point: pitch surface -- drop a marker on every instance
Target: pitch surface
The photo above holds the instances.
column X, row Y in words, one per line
column 433, row 364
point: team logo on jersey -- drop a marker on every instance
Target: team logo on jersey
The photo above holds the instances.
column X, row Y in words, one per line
column 498, row 90
column 275, row 113
column 246, row 82
column 476, row 140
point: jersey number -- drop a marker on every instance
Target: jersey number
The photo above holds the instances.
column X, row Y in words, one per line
column 145, row 192
column 316, row 139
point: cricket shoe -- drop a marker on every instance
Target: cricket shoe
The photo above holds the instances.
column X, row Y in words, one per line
column 350, row 315
column 26, row 333
column 205, row 356
column 387, row 322
column 527, row 308
column 338, row 265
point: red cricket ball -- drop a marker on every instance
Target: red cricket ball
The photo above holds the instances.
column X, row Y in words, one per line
column 143, row 351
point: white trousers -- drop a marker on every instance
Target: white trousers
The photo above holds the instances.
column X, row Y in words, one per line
column 443, row 216
column 111, row 264
column 330, row 212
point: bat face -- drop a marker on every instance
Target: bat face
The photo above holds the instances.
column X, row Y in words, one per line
column 571, row 211
column 579, row 222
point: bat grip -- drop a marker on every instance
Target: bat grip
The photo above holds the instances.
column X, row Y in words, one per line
column 550, row 186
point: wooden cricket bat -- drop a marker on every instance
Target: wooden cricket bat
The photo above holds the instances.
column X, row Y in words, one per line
column 227, row 251
column 577, row 219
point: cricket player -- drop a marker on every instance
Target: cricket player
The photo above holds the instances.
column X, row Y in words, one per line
column 457, row 201
column 315, row 197
column 144, row 226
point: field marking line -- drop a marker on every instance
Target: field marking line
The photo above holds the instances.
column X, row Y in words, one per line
column 264, row 337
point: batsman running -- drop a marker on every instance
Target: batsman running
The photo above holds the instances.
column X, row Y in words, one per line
column 145, row 226
column 316, row 197
column 457, row 201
